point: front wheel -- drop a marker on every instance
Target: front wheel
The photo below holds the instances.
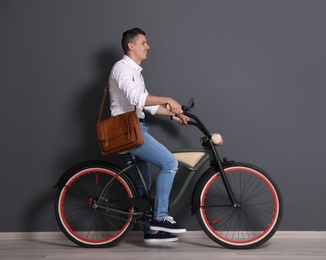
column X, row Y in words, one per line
column 257, row 215
column 85, row 217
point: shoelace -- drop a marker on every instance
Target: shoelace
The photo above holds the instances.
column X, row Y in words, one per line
column 170, row 219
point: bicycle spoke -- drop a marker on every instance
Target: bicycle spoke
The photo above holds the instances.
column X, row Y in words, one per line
column 83, row 219
column 254, row 218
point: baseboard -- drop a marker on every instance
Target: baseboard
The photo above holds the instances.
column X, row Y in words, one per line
column 60, row 235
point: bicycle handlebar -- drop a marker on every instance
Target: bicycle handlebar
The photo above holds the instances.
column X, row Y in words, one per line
column 197, row 122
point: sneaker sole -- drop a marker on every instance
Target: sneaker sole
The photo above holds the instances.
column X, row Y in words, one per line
column 161, row 240
column 168, row 230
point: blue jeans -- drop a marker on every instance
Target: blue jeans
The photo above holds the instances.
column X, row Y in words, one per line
column 158, row 155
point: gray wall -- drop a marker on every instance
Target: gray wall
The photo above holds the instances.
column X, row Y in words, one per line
column 255, row 68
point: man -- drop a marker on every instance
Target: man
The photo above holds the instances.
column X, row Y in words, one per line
column 127, row 93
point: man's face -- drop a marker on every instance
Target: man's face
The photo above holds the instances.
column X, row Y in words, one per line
column 139, row 48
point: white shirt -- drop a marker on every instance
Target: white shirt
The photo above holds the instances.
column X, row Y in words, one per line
column 127, row 89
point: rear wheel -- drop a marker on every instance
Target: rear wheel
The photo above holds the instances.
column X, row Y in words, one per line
column 86, row 220
column 259, row 210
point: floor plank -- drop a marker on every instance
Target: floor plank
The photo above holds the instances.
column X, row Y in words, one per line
column 192, row 245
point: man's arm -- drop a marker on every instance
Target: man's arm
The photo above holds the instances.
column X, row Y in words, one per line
column 158, row 100
column 162, row 111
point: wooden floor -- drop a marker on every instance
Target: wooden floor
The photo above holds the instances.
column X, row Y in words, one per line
column 192, row 245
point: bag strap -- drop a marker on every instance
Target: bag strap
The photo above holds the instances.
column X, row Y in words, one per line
column 102, row 103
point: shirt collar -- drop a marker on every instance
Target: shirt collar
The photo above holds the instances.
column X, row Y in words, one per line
column 131, row 62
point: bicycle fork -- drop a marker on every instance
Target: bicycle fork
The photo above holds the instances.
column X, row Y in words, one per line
column 226, row 182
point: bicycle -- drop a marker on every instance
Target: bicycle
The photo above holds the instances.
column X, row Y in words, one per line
column 238, row 205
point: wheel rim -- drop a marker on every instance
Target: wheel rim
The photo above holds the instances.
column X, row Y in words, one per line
column 253, row 220
column 79, row 213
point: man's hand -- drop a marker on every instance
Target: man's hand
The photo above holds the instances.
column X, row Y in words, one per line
column 183, row 119
column 175, row 107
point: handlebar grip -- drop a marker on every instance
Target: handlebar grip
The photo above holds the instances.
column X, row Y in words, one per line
column 175, row 118
column 167, row 106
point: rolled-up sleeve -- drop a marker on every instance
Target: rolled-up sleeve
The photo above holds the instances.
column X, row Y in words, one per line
column 151, row 109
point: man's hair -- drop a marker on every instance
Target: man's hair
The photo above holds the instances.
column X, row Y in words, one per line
column 130, row 36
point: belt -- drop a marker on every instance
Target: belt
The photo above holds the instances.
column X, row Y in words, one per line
column 142, row 120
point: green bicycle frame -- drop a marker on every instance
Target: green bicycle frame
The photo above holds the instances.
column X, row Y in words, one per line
column 193, row 159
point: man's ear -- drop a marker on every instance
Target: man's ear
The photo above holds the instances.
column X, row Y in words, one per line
column 130, row 46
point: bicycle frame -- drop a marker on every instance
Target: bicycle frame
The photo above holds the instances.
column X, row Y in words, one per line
column 201, row 157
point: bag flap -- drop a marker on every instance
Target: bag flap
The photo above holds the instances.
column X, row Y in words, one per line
column 115, row 126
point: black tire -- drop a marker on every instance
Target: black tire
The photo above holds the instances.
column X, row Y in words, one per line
column 81, row 217
column 259, row 214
